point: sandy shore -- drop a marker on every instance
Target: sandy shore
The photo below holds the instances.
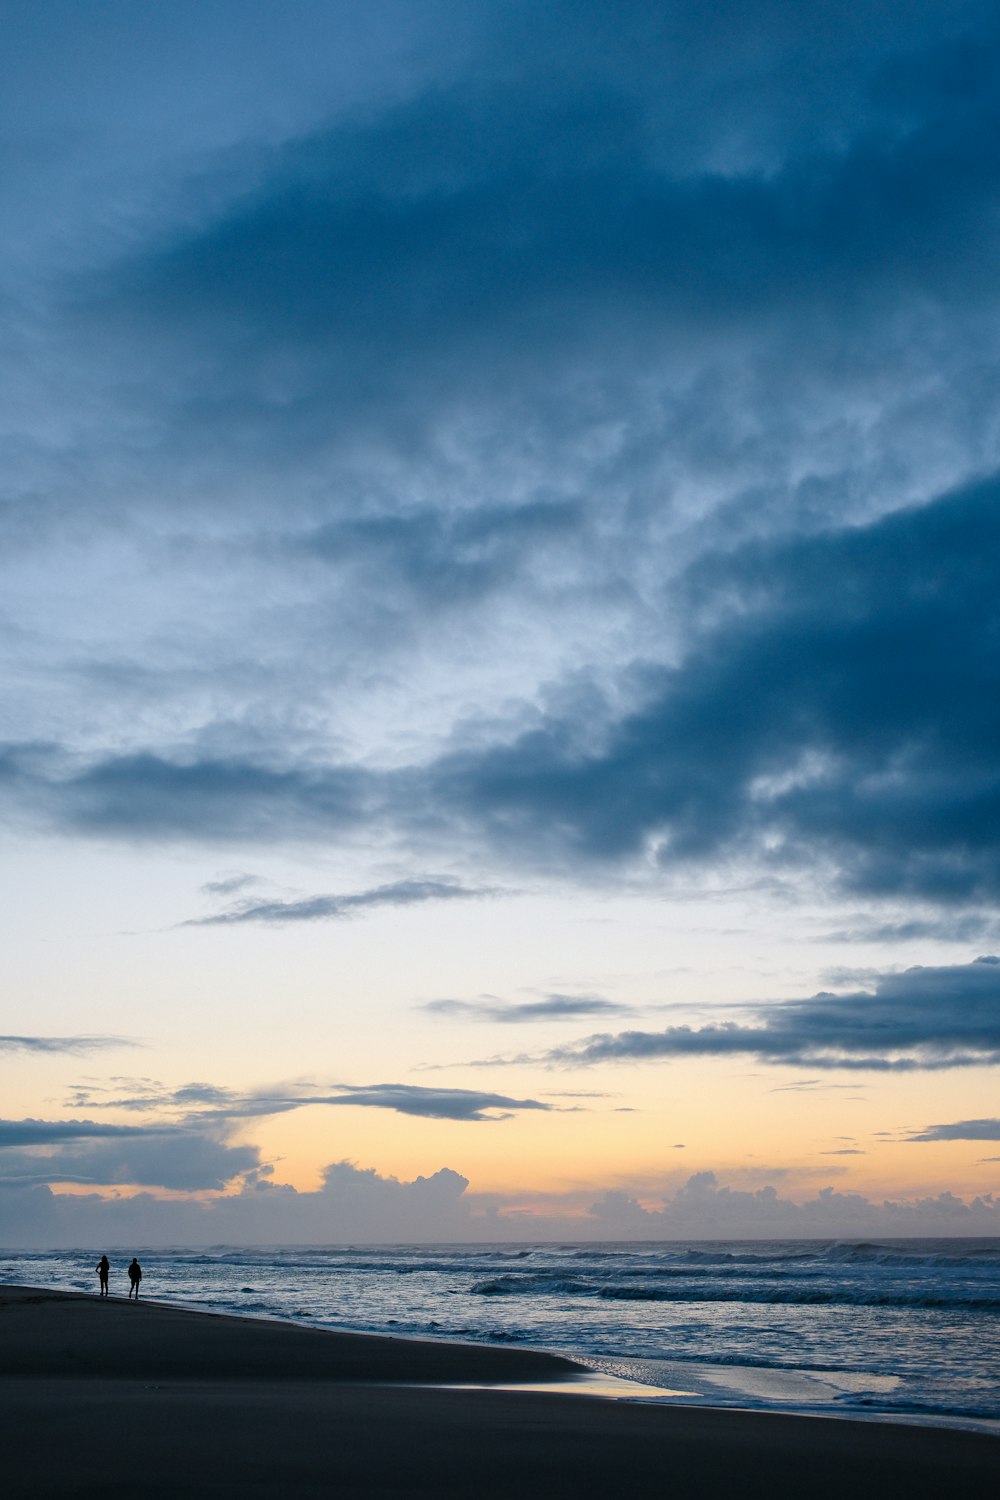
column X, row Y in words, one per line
column 111, row 1399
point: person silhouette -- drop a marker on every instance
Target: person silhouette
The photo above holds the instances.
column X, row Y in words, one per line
column 134, row 1276
column 102, row 1270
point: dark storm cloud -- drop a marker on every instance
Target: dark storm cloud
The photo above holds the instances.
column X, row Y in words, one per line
column 149, row 796
column 616, row 301
column 924, row 1018
column 840, row 704
column 72, row 1044
column 438, row 559
column 845, row 706
column 533, row 248
column 476, row 236
column 324, row 908
column 551, row 1008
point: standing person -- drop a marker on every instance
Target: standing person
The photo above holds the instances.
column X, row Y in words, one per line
column 134, row 1276
column 102, row 1270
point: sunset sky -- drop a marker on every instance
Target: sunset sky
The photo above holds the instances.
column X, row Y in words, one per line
column 500, row 619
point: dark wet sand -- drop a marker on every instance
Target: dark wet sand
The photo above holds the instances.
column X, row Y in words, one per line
column 110, row 1399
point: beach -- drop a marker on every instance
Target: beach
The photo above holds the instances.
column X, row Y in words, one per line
column 111, row 1398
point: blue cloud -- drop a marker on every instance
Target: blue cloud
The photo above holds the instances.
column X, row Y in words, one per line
column 74, row 1045
column 960, row 1130
column 844, row 706
column 921, row 1019
column 325, row 908
column 839, row 705
column 90, row 1151
column 550, row 340
column 430, row 1103
column 49, row 1132
column 553, row 1007
column 202, row 1106
column 423, row 248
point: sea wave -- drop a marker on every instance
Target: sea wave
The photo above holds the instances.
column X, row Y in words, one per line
column 800, row 1296
column 515, row 1286
column 921, row 1313
column 701, row 1291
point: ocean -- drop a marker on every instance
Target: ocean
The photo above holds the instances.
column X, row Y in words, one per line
column 901, row 1329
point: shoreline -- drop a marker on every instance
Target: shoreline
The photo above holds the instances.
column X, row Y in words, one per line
column 103, row 1396
column 700, row 1385
column 578, row 1375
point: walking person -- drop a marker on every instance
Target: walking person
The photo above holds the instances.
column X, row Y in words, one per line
column 102, row 1270
column 134, row 1276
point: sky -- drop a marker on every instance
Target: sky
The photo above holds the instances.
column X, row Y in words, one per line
column 499, row 620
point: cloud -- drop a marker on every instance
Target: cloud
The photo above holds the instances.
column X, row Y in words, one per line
column 952, row 927
column 88, row 1151
column 353, row 1205
column 960, row 1130
column 428, row 1103
column 361, row 282
column 148, row 796
column 923, row 1018
column 836, row 708
column 359, row 1206
column 229, row 885
column 436, row 560
column 143, row 1095
column 201, row 1104
column 567, row 445
column 832, row 709
column 324, row 908
column 46, row 1132
column 554, row 1007
column 187, row 1147
column 706, row 1208
column 625, row 380
column 75, row 1045
column 846, row 974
